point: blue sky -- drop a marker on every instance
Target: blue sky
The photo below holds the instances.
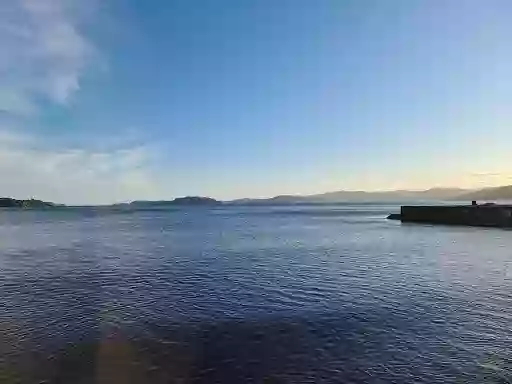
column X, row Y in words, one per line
column 111, row 100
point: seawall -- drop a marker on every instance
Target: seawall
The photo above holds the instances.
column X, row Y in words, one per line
column 472, row 215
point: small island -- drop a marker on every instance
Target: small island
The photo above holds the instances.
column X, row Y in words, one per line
column 7, row 202
column 195, row 200
column 179, row 201
column 475, row 215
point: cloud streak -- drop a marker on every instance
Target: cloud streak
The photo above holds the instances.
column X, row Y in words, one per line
column 486, row 175
column 44, row 54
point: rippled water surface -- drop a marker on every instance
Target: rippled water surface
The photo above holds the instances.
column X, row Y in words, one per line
column 333, row 294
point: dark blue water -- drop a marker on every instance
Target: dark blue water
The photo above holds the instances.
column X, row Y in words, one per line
column 326, row 294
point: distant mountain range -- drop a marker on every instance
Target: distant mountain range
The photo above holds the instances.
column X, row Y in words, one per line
column 364, row 196
column 497, row 193
column 433, row 194
column 447, row 194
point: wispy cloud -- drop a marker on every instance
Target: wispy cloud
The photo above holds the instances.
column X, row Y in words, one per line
column 43, row 55
column 72, row 175
column 487, row 175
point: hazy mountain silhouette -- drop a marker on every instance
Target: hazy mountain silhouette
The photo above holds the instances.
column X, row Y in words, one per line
column 433, row 194
column 339, row 196
column 454, row 194
column 497, row 193
column 429, row 194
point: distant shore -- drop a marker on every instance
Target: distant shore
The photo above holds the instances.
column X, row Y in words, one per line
column 7, row 202
column 494, row 194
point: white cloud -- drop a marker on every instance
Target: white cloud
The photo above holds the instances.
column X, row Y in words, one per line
column 72, row 175
column 43, row 52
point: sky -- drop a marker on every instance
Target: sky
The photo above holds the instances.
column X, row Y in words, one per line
column 107, row 101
